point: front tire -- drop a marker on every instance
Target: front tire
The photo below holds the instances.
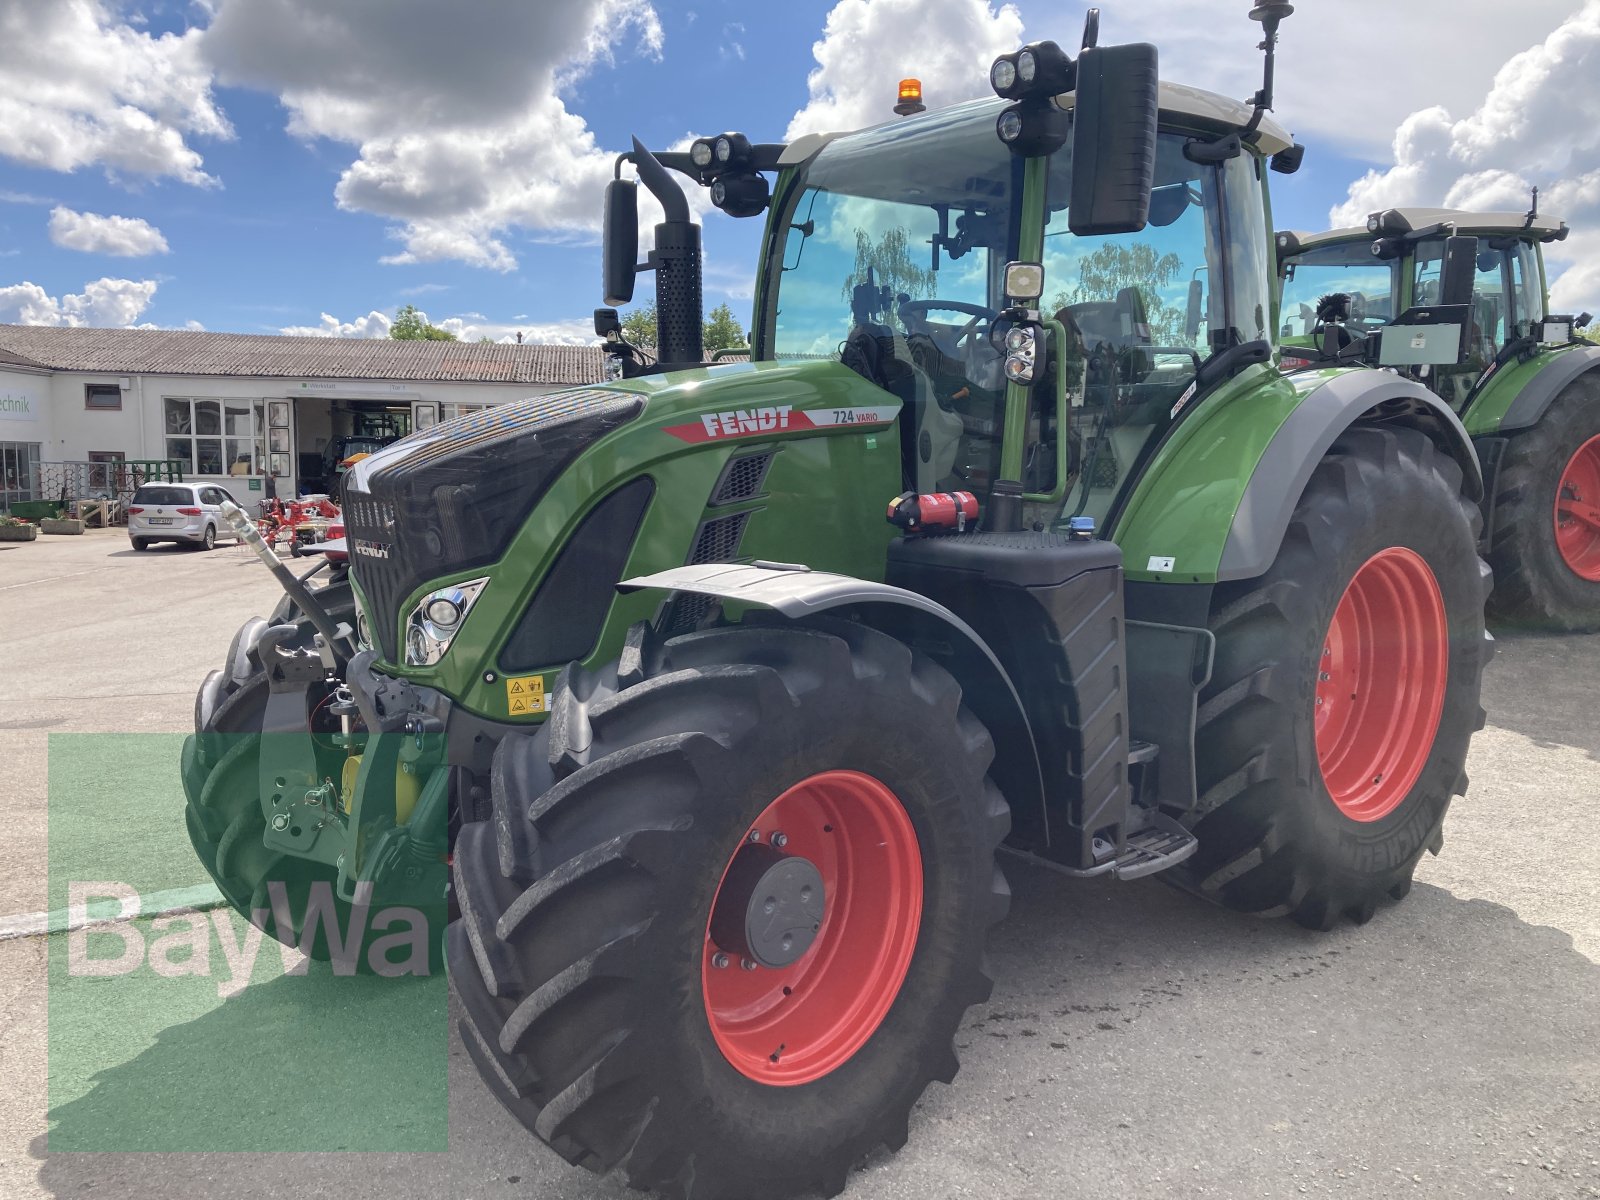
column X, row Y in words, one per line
column 1545, row 548
column 1334, row 730
column 593, row 907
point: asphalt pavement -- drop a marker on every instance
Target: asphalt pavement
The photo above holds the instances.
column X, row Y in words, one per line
column 1139, row 1042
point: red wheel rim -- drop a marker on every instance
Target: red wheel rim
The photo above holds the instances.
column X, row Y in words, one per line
column 1381, row 684
column 793, row 1025
column 1578, row 511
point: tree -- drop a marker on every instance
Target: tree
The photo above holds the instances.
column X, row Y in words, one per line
column 890, row 264
column 412, row 326
column 722, row 331
column 639, row 326
column 1138, row 265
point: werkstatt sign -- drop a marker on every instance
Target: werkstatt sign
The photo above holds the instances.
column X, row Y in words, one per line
column 18, row 403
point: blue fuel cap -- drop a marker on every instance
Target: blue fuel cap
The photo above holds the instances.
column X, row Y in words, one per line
column 1081, row 527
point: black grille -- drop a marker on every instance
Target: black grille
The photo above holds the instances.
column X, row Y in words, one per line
column 452, row 497
column 742, row 478
column 717, row 540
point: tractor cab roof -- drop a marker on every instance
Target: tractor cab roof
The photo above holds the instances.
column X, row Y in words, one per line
column 1542, row 228
column 1178, row 102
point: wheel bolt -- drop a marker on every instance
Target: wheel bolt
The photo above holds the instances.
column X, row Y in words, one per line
column 749, row 964
column 755, row 835
column 1324, row 676
column 780, row 840
column 719, row 960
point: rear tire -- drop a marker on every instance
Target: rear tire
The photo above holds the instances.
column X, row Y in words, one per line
column 583, row 961
column 1546, row 561
column 141, row 543
column 1276, row 838
column 208, row 540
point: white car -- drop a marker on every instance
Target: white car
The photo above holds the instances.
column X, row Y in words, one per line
column 188, row 513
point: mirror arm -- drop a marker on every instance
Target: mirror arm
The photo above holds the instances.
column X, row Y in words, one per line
column 1227, row 363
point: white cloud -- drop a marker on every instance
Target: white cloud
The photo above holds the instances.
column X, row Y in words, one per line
column 104, row 302
column 374, row 325
column 461, row 129
column 469, row 327
column 551, row 333
column 867, row 46
column 80, row 86
column 127, row 237
column 1538, row 123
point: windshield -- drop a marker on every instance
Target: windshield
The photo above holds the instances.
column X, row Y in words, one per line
column 897, row 241
column 1347, row 267
column 893, row 249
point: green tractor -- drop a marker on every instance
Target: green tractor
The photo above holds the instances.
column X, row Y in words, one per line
column 722, row 688
column 1527, row 388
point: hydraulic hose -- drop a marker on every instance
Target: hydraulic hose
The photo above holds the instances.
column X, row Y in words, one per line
column 247, row 532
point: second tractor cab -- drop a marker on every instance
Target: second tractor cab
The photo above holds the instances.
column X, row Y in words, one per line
column 722, row 687
column 1526, row 387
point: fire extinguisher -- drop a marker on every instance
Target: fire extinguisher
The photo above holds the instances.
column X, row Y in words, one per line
column 938, row 510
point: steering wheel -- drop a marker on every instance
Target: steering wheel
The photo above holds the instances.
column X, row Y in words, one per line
column 977, row 311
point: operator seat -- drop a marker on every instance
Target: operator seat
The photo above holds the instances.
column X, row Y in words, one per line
column 931, row 438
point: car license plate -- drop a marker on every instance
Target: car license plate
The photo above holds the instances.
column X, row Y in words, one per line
column 161, row 520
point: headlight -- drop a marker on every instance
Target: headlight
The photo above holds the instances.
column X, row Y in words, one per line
column 363, row 625
column 1027, row 66
column 1003, row 75
column 437, row 619
column 1009, row 126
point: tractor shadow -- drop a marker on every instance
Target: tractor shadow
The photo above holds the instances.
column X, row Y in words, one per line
column 293, row 1064
column 1136, row 1036
column 1542, row 685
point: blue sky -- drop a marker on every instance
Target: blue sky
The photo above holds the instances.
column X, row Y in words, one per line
column 286, row 158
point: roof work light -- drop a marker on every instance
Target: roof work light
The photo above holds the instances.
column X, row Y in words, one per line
column 1033, row 76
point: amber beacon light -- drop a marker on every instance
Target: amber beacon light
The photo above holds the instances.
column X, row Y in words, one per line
column 910, row 98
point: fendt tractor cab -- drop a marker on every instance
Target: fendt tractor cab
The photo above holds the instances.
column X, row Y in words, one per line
column 1526, row 386
column 722, row 686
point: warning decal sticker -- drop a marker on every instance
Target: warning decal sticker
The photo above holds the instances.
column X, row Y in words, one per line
column 525, row 694
column 777, row 418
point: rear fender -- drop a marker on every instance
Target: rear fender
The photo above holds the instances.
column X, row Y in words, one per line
column 1534, row 398
column 1215, row 501
column 1359, row 397
column 797, row 593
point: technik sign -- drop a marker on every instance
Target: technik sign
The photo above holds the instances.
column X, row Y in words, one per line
column 16, row 404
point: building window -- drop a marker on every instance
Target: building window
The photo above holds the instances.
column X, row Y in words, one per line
column 19, row 472
column 461, row 409
column 102, row 395
column 214, row 437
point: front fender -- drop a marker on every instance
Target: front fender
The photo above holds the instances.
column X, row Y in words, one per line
column 797, row 593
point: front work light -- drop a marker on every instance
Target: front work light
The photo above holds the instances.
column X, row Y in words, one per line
column 732, row 150
column 1039, row 69
column 1024, row 281
column 701, row 154
column 741, row 195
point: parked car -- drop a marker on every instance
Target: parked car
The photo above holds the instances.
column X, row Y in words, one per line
column 188, row 513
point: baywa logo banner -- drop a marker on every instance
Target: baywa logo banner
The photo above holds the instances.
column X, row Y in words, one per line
column 219, row 978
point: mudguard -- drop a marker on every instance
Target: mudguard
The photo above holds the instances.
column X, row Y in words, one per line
column 797, row 592
column 1540, row 392
column 1281, row 475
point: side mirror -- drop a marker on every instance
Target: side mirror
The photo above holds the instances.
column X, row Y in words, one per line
column 1114, row 140
column 1194, row 315
column 620, row 241
column 1457, row 271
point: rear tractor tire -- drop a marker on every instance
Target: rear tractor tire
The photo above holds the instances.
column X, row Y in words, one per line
column 1545, row 546
column 1334, row 730
column 731, row 907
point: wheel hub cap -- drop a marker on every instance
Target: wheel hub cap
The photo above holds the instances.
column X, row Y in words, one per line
column 770, row 907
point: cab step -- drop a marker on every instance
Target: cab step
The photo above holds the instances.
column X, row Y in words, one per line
column 1161, row 844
